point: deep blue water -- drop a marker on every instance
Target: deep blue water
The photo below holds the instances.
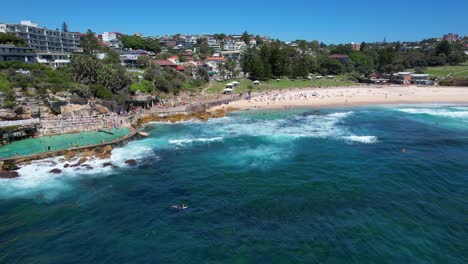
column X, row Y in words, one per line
column 356, row 185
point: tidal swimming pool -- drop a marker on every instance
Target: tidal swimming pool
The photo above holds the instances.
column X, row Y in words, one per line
column 58, row 142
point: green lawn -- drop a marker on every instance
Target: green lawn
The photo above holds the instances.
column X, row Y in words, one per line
column 218, row 87
column 442, row 71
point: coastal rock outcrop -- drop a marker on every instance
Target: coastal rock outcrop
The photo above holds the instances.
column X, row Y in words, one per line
column 107, row 164
column 55, row 171
column 87, row 166
column 131, row 162
column 17, row 113
column 8, row 174
column 82, row 160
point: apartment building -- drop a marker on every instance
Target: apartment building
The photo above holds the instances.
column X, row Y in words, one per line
column 451, row 37
column 14, row 53
column 42, row 39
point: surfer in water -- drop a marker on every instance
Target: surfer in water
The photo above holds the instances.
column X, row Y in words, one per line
column 180, row 206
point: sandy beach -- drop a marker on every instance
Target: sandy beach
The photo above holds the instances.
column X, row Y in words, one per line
column 352, row 96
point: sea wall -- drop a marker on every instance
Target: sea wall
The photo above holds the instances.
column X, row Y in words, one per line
column 61, row 125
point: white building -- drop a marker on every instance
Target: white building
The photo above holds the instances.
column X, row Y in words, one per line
column 240, row 45
column 53, row 47
column 109, row 36
column 42, row 39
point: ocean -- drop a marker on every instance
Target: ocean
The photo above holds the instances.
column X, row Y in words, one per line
column 385, row 184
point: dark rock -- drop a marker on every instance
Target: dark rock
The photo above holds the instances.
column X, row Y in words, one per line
column 87, row 166
column 55, row 171
column 107, row 164
column 74, row 165
column 8, row 174
column 131, row 162
column 82, row 160
column 66, row 165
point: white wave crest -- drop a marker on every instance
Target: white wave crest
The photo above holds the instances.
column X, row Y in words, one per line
column 361, row 139
column 436, row 112
column 341, row 115
column 180, row 142
column 35, row 178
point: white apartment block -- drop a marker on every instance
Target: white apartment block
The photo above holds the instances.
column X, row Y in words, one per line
column 42, row 39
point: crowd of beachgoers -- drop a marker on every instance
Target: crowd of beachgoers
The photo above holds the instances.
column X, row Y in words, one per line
column 349, row 96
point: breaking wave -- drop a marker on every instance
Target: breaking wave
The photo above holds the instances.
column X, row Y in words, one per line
column 181, row 142
column 36, row 180
column 361, row 139
column 456, row 112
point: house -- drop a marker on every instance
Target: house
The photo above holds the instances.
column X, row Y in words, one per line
column 402, row 78
column 451, row 37
column 407, row 78
column 110, row 36
column 355, row 47
column 343, row 58
column 213, row 62
column 130, row 57
column 165, row 63
column 253, row 42
column 174, row 59
column 240, row 45
column 421, row 79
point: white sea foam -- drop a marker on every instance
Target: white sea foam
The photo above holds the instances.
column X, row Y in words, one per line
column 361, row 139
column 35, row 178
column 303, row 126
column 341, row 115
column 181, row 142
column 436, row 112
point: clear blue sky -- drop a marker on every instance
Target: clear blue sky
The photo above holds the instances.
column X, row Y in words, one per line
column 331, row 21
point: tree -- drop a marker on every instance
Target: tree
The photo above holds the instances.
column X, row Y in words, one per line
column 246, row 37
column 136, row 42
column 342, row 49
column 302, row 44
column 256, row 71
column 362, row 62
column 314, row 45
column 12, row 40
column 113, row 77
column 205, row 48
column 220, row 36
column 443, row 47
column 112, row 57
column 437, row 60
column 363, row 46
column 300, row 68
column 259, row 40
column 64, row 27
column 84, row 69
column 90, row 43
column 331, row 66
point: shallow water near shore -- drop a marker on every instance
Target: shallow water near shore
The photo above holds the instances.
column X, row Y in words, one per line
column 350, row 185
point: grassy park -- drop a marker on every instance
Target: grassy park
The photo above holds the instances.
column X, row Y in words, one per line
column 443, row 71
column 217, row 87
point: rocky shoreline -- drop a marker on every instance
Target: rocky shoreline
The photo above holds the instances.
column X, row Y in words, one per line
column 77, row 157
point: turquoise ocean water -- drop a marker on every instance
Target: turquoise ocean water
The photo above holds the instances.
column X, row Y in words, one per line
column 355, row 185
